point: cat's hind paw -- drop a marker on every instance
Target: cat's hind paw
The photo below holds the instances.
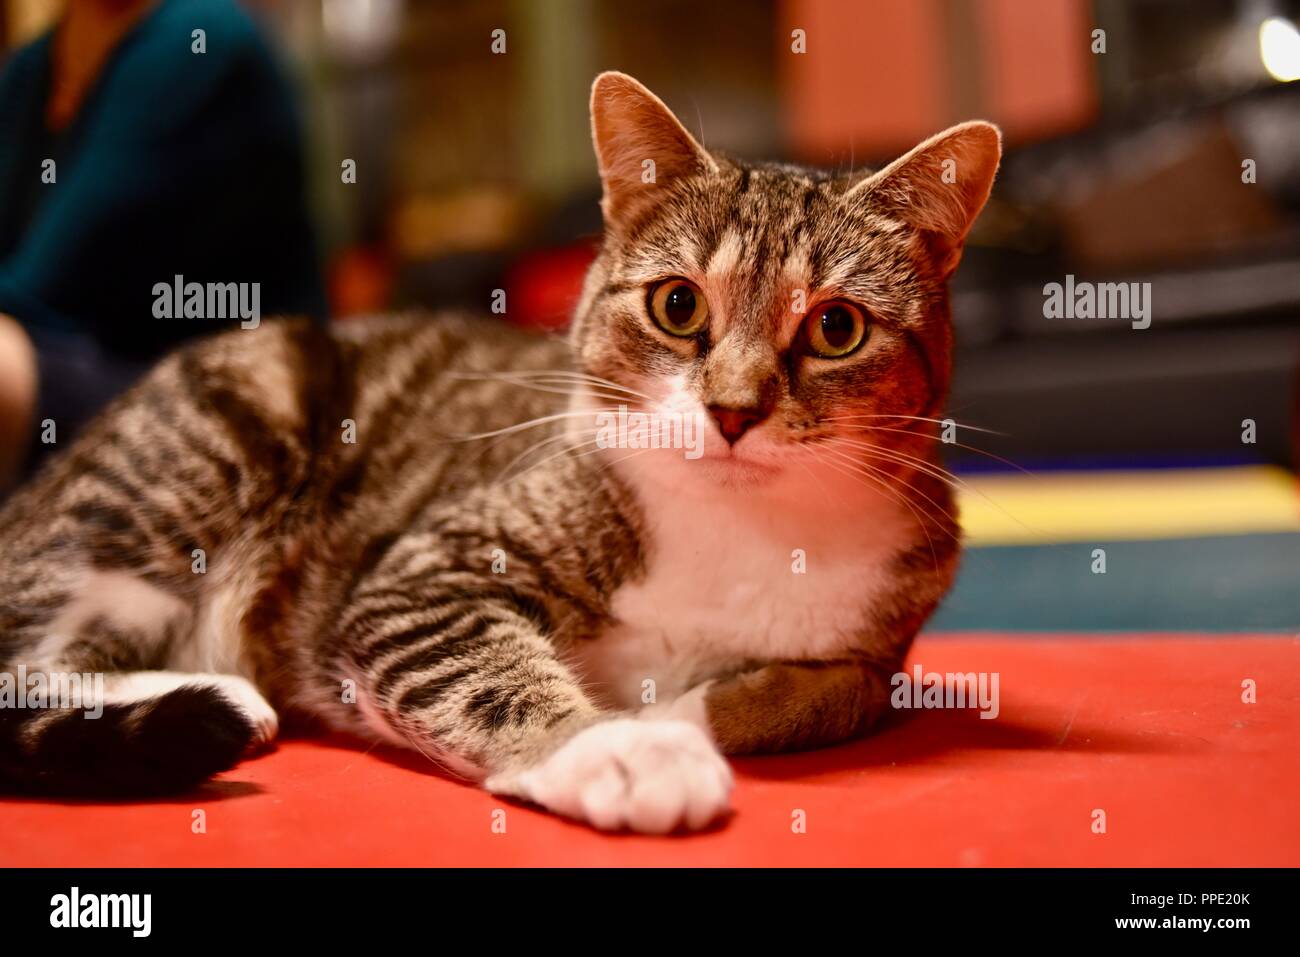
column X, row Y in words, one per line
column 141, row 685
column 647, row 776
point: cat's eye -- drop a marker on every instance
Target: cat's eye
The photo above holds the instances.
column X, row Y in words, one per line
column 678, row 307
column 834, row 329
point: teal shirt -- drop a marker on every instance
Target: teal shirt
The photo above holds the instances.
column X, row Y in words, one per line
column 178, row 163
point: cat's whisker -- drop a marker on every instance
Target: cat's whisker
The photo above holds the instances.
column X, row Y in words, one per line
column 902, row 458
column 571, row 386
column 911, row 418
column 929, row 468
column 862, row 465
column 566, row 435
column 556, row 383
column 858, row 476
column 840, row 466
column 922, row 517
column 886, row 460
column 576, row 376
column 568, row 450
column 813, row 475
column 568, row 390
column 521, row 377
column 610, row 464
column 504, row 435
column 970, row 448
column 533, row 423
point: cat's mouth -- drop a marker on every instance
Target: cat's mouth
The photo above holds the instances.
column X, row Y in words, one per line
column 732, row 468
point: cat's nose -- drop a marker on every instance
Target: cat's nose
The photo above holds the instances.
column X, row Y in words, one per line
column 733, row 423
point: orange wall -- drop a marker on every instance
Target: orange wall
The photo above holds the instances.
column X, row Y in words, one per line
column 1038, row 66
column 879, row 75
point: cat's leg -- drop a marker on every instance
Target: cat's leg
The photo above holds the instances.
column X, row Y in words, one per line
column 133, row 687
column 790, row 705
column 468, row 677
column 88, row 711
column 167, row 743
column 80, row 647
column 82, row 717
column 799, row 704
column 118, row 561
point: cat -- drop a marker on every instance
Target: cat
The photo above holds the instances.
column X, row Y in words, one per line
column 409, row 528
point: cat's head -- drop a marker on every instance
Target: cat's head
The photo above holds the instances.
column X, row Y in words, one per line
column 787, row 309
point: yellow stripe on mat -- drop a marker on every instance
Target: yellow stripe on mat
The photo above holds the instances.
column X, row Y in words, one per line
column 1100, row 506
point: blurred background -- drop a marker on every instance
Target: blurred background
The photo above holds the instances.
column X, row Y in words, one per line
column 1148, row 141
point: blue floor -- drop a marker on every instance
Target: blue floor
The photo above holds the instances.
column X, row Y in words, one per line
column 1220, row 584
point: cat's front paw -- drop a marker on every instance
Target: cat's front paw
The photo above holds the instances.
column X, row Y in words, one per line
column 648, row 776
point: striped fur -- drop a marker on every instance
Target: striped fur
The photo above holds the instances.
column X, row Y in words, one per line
column 400, row 527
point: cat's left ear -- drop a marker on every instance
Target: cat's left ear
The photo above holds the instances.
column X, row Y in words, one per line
column 939, row 186
column 640, row 145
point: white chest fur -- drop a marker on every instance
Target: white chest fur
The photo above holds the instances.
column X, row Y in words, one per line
column 737, row 580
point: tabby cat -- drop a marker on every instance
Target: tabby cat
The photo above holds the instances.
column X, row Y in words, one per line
column 412, row 529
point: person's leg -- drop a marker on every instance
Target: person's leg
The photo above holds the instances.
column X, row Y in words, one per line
column 55, row 378
column 17, row 398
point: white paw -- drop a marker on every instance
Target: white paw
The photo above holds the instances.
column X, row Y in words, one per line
column 648, row 776
column 142, row 685
column 249, row 700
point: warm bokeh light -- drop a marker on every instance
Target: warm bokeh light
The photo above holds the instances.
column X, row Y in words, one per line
column 1279, row 48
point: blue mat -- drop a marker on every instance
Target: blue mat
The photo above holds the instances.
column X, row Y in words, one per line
column 1220, row 584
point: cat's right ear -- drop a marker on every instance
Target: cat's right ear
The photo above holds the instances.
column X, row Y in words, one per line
column 939, row 187
column 640, row 146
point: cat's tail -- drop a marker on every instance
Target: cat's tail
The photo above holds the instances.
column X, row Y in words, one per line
column 167, row 742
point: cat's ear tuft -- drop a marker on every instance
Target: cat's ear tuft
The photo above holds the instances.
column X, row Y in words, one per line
column 640, row 146
column 939, row 186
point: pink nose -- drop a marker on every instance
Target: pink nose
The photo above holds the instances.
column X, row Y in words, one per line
column 733, row 423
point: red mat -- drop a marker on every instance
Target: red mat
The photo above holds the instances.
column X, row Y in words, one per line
column 1151, row 731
